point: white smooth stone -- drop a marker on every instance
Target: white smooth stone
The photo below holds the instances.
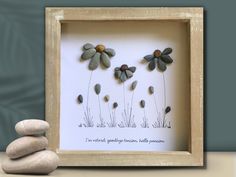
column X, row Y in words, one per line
column 26, row 145
column 42, row 162
column 31, row 127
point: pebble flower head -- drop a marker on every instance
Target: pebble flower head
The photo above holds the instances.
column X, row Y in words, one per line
column 97, row 54
column 124, row 72
column 159, row 59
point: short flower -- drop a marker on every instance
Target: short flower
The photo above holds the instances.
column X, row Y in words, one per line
column 97, row 54
column 159, row 59
column 124, row 72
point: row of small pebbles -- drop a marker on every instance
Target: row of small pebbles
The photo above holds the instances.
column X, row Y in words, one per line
column 28, row 154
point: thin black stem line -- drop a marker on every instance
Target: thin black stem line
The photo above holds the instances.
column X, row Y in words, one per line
column 100, row 111
column 90, row 78
column 155, row 102
column 124, row 95
column 164, row 85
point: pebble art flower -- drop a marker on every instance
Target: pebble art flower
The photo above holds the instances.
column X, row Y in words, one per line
column 159, row 59
column 124, row 72
column 97, row 54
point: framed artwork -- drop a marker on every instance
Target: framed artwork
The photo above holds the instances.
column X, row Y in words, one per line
column 124, row 86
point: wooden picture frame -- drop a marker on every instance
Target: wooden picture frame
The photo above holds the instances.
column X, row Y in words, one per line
column 194, row 18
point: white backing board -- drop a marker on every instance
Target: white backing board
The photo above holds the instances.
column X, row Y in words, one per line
column 132, row 40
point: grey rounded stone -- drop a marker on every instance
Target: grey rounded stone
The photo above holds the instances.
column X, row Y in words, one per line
column 94, row 62
column 42, row 162
column 26, row 145
column 133, row 85
column 106, row 98
column 151, row 89
column 97, row 89
column 88, row 46
column 31, row 127
column 80, row 99
column 105, row 60
column 88, row 54
column 142, row 103
column 115, row 105
column 110, row 52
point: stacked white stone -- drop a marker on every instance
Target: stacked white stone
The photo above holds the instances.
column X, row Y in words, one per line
column 28, row 154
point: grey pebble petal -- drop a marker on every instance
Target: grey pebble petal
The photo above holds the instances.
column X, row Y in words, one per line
column 80, row 99
column 167, row 59
column 94, row 62
column 105, row 60
column 115, row 105
column 151, row 89
column 88, row 46
column 142, row 103
column 168, row 109
column 128, row 73
column 88, row 54
column 148, row 58
column 152, row 64
column 133, row 85
column 123, row 77
column 117, row 74
column 106, row 98
column 97, row 89
column 110, row 52
column 161, row 65
column 132, row 69
column 167, row 51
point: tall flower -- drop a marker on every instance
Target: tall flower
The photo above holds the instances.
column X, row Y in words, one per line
column 160, row 60
column 97, row 54
column 124, row 73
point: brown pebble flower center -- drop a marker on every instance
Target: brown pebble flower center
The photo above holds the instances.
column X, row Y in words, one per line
column 100, row 48
column 157, row 53
column 124, row 67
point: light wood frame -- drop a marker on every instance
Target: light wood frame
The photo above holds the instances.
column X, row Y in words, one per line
column 194, row 17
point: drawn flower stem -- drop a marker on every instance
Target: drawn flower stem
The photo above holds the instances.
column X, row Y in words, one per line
column 155, row 102
column 90, row 78
column 87, row 117
column 87, row 114
column 124, row 96
column 102, row 124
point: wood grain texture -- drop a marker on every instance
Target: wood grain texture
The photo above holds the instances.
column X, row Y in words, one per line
column 192, row 16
